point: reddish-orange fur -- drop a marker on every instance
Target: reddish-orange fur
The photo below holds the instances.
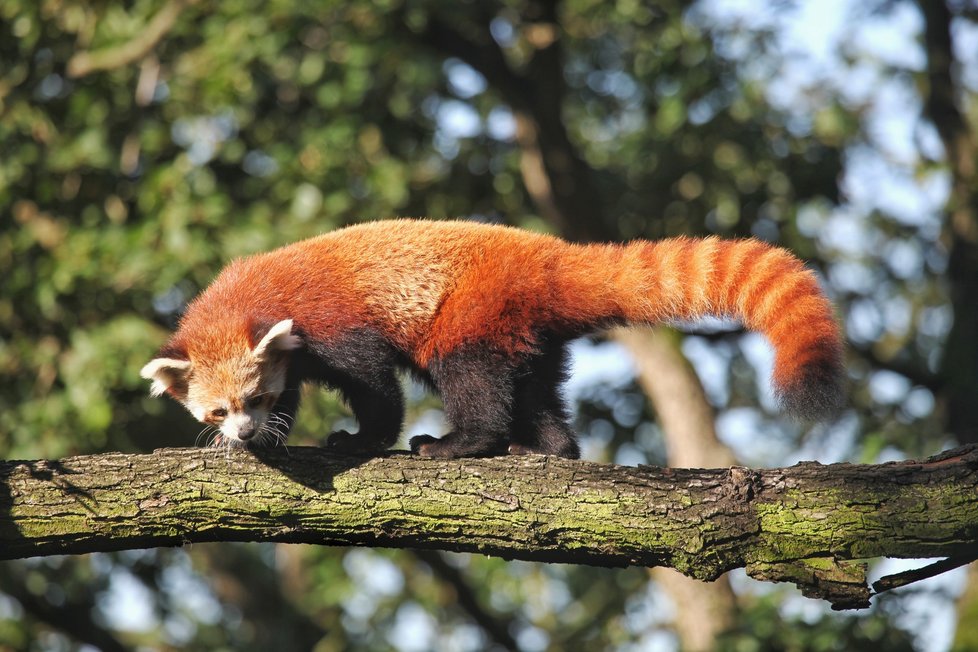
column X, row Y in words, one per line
column 435, row 288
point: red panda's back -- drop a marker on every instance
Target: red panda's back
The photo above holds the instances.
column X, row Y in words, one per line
column 392, row 275
column 403, row 271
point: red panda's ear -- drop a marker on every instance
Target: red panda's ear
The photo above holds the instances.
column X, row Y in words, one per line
column 167, row 374
column 278, row 338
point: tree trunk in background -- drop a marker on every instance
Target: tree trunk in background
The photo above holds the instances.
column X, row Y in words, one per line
column 966, row 635
column 959, row 368
column 678, row 396
column 687, row 422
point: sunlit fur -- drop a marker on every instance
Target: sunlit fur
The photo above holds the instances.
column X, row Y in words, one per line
column 480, row 312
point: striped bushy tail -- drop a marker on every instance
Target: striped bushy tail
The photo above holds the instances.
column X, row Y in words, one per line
column 766, row 288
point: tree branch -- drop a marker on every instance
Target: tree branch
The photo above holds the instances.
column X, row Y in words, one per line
column 802, row 524
column 86, row 62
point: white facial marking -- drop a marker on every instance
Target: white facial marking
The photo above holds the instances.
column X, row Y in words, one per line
column 237, row 424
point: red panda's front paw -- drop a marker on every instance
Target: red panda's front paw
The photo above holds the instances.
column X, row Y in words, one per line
column 343, row 442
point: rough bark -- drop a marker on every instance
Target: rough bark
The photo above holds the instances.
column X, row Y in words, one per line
column 804, row 524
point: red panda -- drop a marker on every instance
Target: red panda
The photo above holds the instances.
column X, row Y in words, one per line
column 480, row 312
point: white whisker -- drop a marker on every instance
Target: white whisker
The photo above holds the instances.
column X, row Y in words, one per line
column 275, row 430
column 206, row 434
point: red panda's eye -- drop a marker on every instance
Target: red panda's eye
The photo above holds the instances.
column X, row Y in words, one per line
column 255, row 401
column 219, row 413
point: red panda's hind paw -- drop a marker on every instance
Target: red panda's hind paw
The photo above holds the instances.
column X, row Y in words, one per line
column 425, row 446
column 454, row 445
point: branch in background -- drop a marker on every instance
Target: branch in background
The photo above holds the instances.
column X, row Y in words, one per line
column 941, row 95
column 890, row 582
column 87, row 62
column 484, row 56
column 71, row 618
column 496, row 630
column 803, row 524
column 557, row 178
column 677, row 395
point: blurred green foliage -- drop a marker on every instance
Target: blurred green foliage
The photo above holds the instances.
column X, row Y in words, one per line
column 764, row 629
column 252, row 124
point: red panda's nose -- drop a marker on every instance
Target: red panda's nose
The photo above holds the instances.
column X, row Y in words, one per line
column 240, row 426
column 245, row 435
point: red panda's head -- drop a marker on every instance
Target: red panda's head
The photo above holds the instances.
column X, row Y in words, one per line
column 233, row 391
